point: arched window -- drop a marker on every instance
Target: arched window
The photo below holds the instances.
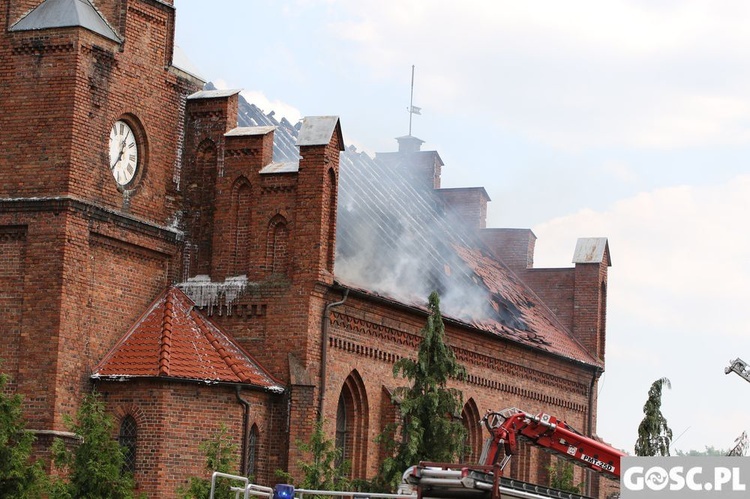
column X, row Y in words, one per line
column 277, row 246
column 332, row 196
column 352, row 424
column 473, row 443
column 341, row 430
column 200, row 197
column 128, row 439
column 241, row 225
column 252, row 452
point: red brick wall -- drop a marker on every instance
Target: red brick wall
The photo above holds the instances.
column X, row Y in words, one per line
column 173, row 419
column 12, row 271
column 468, row 204
column 370, row 337
column 556, row 289
column 514, row 247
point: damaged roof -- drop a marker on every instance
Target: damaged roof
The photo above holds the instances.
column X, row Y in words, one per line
column 173, row 340
column 395, row 240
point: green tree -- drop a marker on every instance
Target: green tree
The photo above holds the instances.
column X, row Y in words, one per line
column 654, row 435
column 19, row 477
column 324, row 470
column 429, row 409
column 561, row 477
column 709, row 450
column 220, row 453
column 94, row 467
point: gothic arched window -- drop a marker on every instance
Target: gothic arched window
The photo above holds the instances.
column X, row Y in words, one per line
column 128, row 439
column 352, row 424
column 252, row 451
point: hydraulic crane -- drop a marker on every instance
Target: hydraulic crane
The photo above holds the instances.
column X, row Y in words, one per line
column 506, row 428
column 740, row 367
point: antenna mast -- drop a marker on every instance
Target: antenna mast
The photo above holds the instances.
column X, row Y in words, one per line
column 412, row 108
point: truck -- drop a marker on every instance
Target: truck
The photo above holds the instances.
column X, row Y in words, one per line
column 433, row 480
column 506, row 428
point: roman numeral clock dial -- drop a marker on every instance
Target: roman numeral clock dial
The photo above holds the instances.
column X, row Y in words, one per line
column 123, row 153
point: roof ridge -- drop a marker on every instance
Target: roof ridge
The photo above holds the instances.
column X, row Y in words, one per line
column 165, row 339
column 228, row 358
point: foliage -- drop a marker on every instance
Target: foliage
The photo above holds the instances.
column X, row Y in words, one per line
column 322, row 471
column 654, row 434
column 19, row 478
column 95, row 466
column 740, row 446
column 708, row 451
column 430, row 427
column 220, row 454
column 561, row 477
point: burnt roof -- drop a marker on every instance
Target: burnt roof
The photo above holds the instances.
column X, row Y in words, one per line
column 396, row 239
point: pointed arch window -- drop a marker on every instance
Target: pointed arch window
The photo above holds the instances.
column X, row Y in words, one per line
column 277, row 246
column 331, row 243
column 252, row 451
column 128, row 438
column 352, row 424
column 473, row 437
column 341, row 430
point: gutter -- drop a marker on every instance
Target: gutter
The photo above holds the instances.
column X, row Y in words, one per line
column 324, row 351
column 590, row 423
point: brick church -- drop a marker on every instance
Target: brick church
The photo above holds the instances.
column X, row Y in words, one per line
column 201, row 264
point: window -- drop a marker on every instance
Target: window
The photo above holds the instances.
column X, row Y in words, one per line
column 128, row 438
column 252, row 451
column 341, row 430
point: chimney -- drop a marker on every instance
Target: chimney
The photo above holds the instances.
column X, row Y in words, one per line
column 592, row 261
column 320, row 143
column 409, row 143
column 469, row 204
column 246, row 151
column 514, row 247
column 423, row 166
column 210, row 114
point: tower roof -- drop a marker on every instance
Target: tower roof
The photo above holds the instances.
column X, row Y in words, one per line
column 65, row 14
column 173, row 340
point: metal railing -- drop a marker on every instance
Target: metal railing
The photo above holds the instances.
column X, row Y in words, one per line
column 241, row 485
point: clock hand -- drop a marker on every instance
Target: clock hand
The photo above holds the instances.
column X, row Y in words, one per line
column 119, row 156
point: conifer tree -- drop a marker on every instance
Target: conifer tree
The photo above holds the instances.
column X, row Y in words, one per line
column 19, row 477
column 429, row 409
column 654, row 434
column 94, row 467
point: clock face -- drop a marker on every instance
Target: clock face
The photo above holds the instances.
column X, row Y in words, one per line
column 123, row 153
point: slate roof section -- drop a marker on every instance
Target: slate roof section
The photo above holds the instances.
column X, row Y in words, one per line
column 173, row 340
column 65, row 14
column 396, row 241
column 318, row 130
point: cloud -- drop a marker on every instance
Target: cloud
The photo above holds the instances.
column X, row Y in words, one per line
column 677, row 302
column 281, row 108
column 569, row 74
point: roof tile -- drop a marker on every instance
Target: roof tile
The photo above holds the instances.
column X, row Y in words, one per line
column 174, row 340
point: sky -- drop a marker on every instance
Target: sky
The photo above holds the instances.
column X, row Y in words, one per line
column 625, row 119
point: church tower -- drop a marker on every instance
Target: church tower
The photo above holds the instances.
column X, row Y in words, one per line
column 90, row 144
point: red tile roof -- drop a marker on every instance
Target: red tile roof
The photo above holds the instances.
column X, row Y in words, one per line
column 174, row 340
column 523, row 316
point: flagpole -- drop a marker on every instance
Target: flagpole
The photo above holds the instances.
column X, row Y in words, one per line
column 411, row 99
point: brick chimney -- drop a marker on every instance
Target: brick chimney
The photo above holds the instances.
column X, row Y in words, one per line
column 514, row 247
column 320, row 142
column 469, row 204
column 210, row 114
column 423, row 166
column 236, row 234
column 592, row 261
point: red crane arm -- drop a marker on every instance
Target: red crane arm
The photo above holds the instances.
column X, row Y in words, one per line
column 551, row 434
